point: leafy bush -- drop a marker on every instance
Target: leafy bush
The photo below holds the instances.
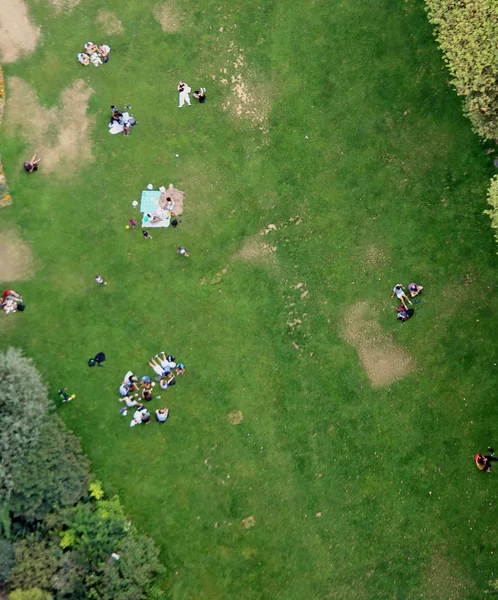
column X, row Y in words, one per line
column 493, row 202
column 466, row 31
column 31, row 594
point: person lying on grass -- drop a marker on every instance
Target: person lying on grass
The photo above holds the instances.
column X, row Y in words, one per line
column 162, row 414
column 32, row 165
column 400, row 294
column 166, row 361
column 414, row 289
column 156, row 367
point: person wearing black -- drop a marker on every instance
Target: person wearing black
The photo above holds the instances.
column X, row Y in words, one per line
column 32, row 165
column 200, row 95
column 116, row 115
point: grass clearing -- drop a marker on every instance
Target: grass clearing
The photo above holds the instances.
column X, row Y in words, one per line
column 370, row 175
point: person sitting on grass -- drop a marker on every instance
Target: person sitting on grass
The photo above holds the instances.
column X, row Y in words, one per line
column 167, row 381
column 32, row 165
column 84, row 59
column 180, row 369
column 104, row 50
column 161, row 414
column 483, row 462
column 147, row 395
column 90, row 47
column 11, row 295
column 116, row 115
column 130, row 401
column 200, row 95
column 414, row 289
column 141, row 415
column 404, row 313
column 400, row 294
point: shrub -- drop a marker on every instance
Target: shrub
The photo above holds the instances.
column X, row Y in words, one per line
column 466, row 31
column 493, row 202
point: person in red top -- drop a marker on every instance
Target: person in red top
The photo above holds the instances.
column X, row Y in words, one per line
column 12, row 295
column 483, row 462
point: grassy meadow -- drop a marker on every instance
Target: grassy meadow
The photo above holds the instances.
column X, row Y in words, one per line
column 333, row 122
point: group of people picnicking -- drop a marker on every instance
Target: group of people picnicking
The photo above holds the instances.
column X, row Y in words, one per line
column 403, row 312
column 94, row 54
column 121, row 122
column 134, row 392
column 11, row 302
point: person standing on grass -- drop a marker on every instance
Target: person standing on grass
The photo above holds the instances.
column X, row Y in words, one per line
column 400, row 294
column 100, row 280
column 181, row 250
column 133, row 224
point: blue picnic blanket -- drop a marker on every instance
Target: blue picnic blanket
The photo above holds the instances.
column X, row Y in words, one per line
column 149, row 200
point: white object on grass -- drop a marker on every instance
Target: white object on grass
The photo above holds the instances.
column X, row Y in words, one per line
column 150, row 186
column 177, row 155
column 134, row 203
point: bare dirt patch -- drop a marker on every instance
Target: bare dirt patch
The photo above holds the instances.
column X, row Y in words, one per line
column 384, row 361
column 255, row 250
column 167, row 17
column 375, row 258
column 235, row 417
column 248, row 522
column 108, row 22
column 18, row 35
column 16, row 258
column 64, row 5
column 60, row 135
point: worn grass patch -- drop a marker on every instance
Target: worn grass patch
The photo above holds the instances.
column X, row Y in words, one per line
column 109, row 22
column 16, row 258
column 61, row 134
column 383, row 360
column 18, row 35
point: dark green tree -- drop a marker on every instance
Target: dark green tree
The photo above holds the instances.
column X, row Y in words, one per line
column 54, row 473
column 23, row 404
column 6, row 559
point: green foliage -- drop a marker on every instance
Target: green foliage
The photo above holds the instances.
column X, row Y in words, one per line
column 54, row 473
column 96, row 490
column 6, row 559
column 466, row 31
column 93, row 531
column 130, row 577
column 493, row 202
column 31, row 594
column 23, row 403
column 35, row 565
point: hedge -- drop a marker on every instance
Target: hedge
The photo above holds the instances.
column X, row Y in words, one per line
column 467, row 33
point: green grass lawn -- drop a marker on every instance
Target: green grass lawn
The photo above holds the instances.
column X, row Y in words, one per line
column 356, row 491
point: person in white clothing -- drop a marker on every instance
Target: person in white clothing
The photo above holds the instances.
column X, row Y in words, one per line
column 183, row 93
column 400, row 294
column 104, row 50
